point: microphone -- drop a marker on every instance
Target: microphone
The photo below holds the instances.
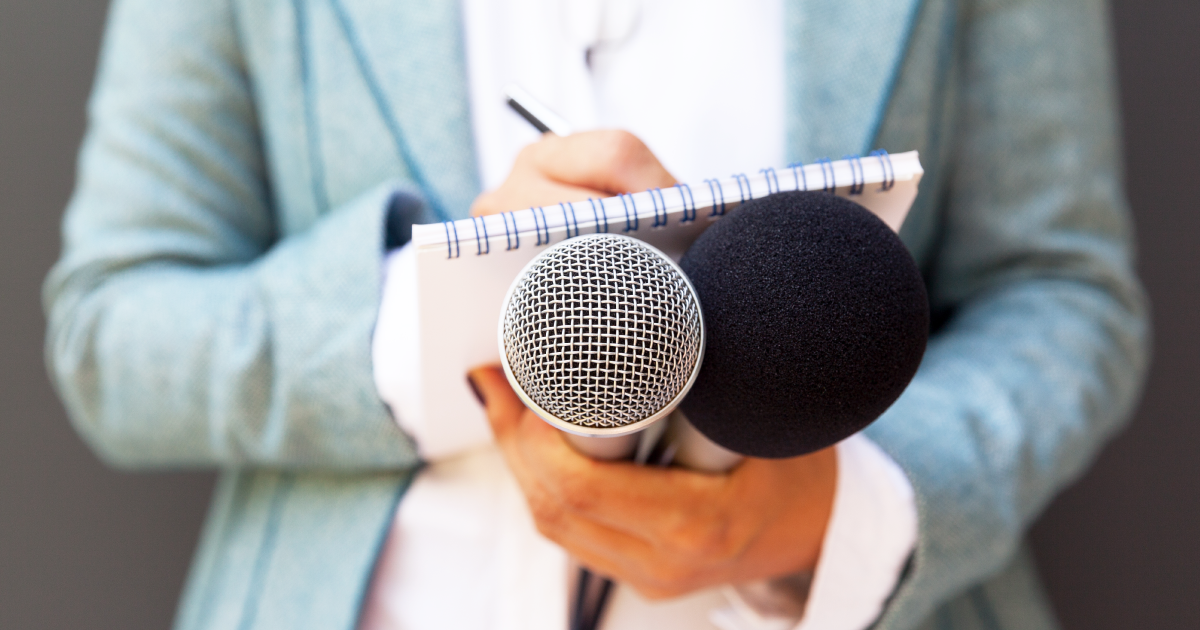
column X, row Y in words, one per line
column 602, row 336
column 816, row 320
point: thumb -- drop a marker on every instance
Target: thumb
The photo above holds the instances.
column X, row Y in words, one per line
column 503, row 407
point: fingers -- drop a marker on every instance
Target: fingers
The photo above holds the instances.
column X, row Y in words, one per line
column 622, row 519
column 503, row 407
column 535, row 452
column 528, row 444
column 630, row 560
column 573, row 168
column 534, row 191
column 795, row 501
column 522, row 436
column 612, row 161
column 663, row 531
column 639, row 561
column 682, row 512
column 690, row 517
column 678, row 510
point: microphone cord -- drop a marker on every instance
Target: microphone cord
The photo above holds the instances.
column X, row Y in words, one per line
column 587, row 617
column 584, row 616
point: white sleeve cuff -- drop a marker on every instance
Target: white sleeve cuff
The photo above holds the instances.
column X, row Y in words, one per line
column 396, row 362
column 871, row 533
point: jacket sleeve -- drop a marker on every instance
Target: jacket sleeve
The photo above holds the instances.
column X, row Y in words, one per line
column 1045, row 342
column 183, row 330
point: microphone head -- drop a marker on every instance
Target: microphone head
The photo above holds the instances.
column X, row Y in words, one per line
column 816, row 320
column 601, row 335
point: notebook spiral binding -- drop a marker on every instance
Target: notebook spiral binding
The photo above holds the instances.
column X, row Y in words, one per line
column 598, row 216
column 828, row 178
column 538, row 227
column 858, row 179
column 657, row 200
column 748, row 192
column 684, row 187
column 769, row 173
column 486, row 246
column 629, row 227
column 889, row 172
column 799, row 166
column 452, row 251
column 508, row 237
column 567, row 222
column 721, row 192
column 686, row 204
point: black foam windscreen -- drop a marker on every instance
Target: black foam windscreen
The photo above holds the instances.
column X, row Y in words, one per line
column 816, row 319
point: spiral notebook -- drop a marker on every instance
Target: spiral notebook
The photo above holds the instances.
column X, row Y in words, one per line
column 464, row 268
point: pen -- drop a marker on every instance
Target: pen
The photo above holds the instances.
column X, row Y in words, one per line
column 541, row 117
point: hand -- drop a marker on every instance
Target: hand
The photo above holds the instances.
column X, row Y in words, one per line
column 589, row 164
column 665, row 532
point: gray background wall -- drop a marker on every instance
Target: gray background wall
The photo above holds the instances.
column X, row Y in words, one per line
column 83, row 546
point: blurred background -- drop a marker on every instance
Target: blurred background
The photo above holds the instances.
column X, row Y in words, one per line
column 83, row 546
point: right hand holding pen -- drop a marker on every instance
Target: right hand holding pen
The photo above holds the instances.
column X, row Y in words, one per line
column 573, row 168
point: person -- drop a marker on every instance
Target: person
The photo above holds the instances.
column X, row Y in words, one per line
column 246, row 167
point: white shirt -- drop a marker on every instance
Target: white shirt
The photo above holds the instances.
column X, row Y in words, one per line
column 702, row 83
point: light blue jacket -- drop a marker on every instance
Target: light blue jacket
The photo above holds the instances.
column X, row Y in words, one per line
column 221, row 271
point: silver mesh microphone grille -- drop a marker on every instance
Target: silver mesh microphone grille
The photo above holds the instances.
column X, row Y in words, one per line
column 601, row 332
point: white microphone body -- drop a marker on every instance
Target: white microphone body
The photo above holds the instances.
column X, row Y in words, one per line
column 686, row 446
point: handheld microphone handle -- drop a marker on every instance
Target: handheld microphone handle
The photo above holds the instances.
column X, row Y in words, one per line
column 636, row 446
column 617, row 448
column 688, row 447
column 683, row 445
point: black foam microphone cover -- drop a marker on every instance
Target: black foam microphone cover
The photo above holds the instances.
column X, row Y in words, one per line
column 816, row 318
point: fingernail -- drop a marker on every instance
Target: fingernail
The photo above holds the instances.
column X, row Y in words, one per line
column 475, row 390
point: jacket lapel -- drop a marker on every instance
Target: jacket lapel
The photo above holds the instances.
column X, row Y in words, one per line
column 411, row 56
column 842, row 60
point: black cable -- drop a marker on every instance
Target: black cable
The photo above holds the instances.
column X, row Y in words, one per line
column 593, row 620
column 581, row 589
